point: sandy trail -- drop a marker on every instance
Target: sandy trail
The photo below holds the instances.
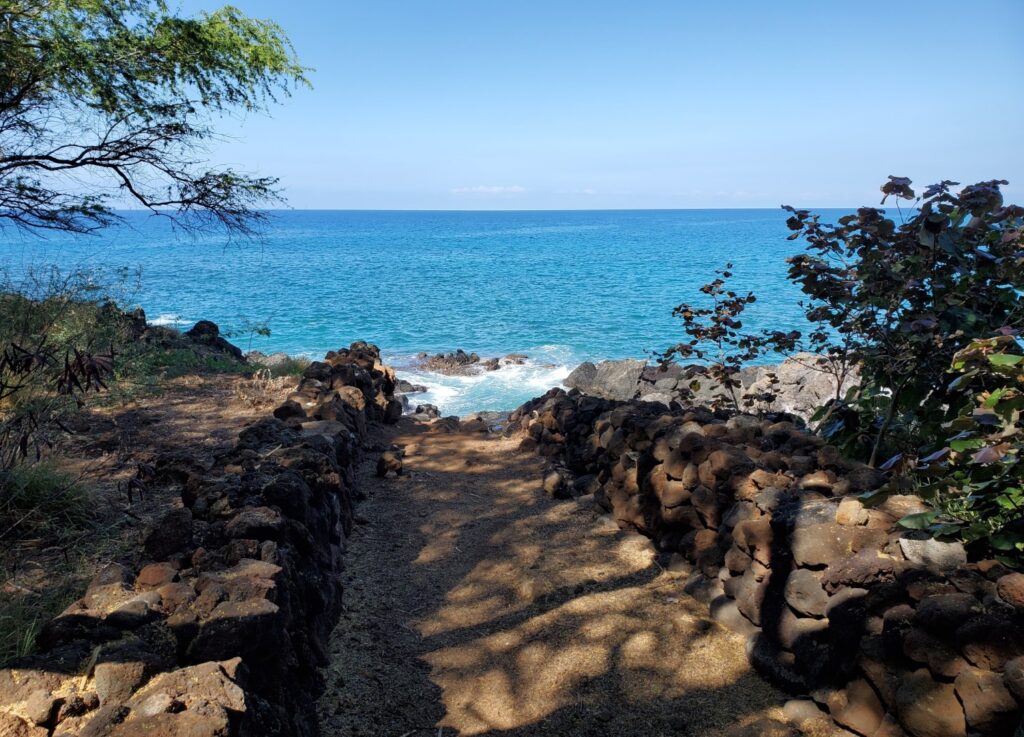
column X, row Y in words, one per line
column 475, row 605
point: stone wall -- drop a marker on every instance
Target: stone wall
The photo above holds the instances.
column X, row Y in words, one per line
column 888, row 632
column 221, row 625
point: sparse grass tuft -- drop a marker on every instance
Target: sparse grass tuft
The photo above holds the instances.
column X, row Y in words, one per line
column 262, row 388
column 23, row 612
column 40, row 508
column 37, row 501
column 290, row 367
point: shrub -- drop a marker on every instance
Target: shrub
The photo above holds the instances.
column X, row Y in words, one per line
column 901, row 299
column 57, row 343
column 975, row 483
column 716, row 343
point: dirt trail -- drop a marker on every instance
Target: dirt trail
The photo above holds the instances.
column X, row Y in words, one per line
column 475, row 605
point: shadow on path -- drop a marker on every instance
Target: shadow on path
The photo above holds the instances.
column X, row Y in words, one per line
column 475, row 605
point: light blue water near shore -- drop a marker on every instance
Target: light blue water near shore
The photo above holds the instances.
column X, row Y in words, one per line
column 562, row 287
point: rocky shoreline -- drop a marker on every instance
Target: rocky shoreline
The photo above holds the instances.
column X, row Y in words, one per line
column 802, row 384
column 797, row 386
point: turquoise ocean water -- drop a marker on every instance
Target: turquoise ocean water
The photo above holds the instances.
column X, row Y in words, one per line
column 562, row 287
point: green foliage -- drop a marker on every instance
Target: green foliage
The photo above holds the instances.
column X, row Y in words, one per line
column 124, row 94
column 57, row 343
column 715, row 341
column 975, row 483
column 901, row 299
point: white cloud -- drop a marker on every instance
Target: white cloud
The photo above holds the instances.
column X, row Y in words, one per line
column 489, row 189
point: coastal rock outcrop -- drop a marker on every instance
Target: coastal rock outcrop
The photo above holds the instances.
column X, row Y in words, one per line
column 219, row 626
column 608, row 379
column 460, row 363
column 888, row 631
column 207, row 333
column 802, row 383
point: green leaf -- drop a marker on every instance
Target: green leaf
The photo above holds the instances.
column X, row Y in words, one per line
column 1004, row 359
column 994, row 397
column 1005, row 540
column 962, row 380
column 966, row 444
column 919, row 521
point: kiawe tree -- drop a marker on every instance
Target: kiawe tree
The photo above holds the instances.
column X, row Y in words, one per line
column 113, row 103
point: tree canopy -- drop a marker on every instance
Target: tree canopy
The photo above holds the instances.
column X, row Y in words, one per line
column 106, row 103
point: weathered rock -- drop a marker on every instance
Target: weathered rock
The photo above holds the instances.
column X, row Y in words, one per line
column 990, row 641
column 238, row 628
column 14, row 726
column 889, row 727
column 866, row 568
column 805, row 382
column 290, row 409
column 170, row 535
column 1010, row 589
column 256, row 523
column 155, row 575
column 777, row 666
column 750, row 595
column 988, row 705
column 928, row 708
column 798, row 633
column 608, row 379
column 857, row 707
column 804, row 593
column 821, row 544
column 851, row 512
column 942, row 660
column 41, row 707
column 942, row 614
column 933, row 555
column 390, row 461
column 1013, row 676
column 725, row 611
column 556, row 484
column 455, row 363
column 755, row 537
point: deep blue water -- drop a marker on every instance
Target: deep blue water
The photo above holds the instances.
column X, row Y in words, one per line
column 561, row 287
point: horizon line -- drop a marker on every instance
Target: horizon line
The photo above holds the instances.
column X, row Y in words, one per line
column 520, row 210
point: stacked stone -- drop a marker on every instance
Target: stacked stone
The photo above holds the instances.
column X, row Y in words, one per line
column 888, row 631
column 220, row 627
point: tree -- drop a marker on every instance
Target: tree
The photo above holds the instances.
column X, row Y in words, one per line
column 108, row 102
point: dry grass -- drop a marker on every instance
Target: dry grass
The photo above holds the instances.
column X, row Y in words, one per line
column 263, row 388
column 77, row 516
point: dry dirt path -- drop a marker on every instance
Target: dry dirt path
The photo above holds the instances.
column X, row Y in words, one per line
column 475, row 605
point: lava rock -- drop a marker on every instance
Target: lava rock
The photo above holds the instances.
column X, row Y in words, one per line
column 928, row 708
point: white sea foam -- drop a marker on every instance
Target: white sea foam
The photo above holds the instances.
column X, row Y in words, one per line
column 504, row 389
column 169, row 320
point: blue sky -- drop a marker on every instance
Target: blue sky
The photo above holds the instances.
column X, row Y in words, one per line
column 537, row 105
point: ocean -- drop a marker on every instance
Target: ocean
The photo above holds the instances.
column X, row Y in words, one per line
column 561, row 287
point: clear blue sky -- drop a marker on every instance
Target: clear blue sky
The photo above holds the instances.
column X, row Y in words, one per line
column 564, row 104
